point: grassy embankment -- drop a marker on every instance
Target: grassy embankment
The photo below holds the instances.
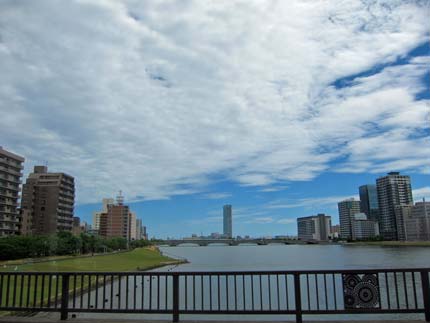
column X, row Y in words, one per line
column 138, row 259
column 392, row 243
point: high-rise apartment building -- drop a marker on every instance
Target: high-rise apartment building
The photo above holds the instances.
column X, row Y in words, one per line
column 11, row 166
column 77, row 227
column 315, row 227
column 363, row 228
column 133, row 225
column 402, row 213
column 227, row 221
column 369, row 201
column 393, row 190
column 347, row 210
column 96, row 215
column 117, row 221
column 415, row 220
column 139, row 229
column 48, row 201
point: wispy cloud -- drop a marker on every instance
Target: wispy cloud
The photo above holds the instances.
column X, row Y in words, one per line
column 205, row 220
column 261, row 220
column 309, row 202
column 216, row 196
column 286, row 221
column 273, row 189
column 154, row 104
column 420, row 193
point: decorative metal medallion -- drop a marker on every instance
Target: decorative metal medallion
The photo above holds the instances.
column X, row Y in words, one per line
column 361, row 291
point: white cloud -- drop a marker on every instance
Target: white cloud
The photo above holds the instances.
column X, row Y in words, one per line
column 286, row 221
column 216, row 196
column 420, row 193
column 273, row 189
column 206, row 220
column 126, row 95
column 311, row 202
column 261, row 220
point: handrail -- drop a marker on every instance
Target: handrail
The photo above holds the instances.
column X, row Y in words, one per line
column 291, row 292
column 222, row 272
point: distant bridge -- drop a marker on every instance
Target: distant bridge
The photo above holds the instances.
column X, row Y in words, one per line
column 231, row 242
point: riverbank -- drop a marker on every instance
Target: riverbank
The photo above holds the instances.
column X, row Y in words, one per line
column 137, row 259
column 390, row 243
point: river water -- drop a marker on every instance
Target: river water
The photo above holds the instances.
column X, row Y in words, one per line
column 297, row 257
column 285, row 257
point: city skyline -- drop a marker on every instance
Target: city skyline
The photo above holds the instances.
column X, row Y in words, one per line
column 281, row 109
column 245, row 216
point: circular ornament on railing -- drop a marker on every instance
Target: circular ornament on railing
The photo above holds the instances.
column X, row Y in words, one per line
column 367, row 295
column 349, row 299
column 370, row 278
column 360, row 291
column 350, row 281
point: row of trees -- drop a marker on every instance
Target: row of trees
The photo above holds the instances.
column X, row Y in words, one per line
column 63, row 243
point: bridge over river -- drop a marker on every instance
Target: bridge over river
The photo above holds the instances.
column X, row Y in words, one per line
column 232, row 242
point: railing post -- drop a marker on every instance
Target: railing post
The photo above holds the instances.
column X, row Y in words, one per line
column 175, row 297
column 65, row 296
column 426, row 293
column 298, row 297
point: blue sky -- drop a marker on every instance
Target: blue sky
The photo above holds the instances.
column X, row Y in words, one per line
column 280, row 108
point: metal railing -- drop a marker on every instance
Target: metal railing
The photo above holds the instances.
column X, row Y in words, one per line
column 240, row 292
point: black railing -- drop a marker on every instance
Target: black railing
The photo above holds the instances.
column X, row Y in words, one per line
column 246, row 292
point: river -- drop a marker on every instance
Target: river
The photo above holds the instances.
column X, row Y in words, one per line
column 285, row 257
column 297, row 257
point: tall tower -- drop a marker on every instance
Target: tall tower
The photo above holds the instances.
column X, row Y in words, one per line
column 48, row 199
column 347, row 209
column 393, row 190
column 369, row 201
column 10, row 178
column 227, row 221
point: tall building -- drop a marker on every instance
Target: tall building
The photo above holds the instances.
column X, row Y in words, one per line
column 133, row 226
column 96, row 215
column 363, row 228
column 227, row 221
column 347, row 209
column 48, row 201
column 402, row 213
column 11, row 166
column 117, row 221
column 416, row 221
column 393, row 190
column 77, row 227
column 145, row 233
column 139, row 229
column 315, row 227
column 369, row 201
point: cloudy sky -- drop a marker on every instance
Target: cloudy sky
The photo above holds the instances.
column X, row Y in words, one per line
column 281, row 108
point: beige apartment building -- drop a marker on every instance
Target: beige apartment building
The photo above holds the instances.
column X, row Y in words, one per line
column 47, row 202
column 415, row 220
column 115, row 220
column 97, row 215
column 11, row 166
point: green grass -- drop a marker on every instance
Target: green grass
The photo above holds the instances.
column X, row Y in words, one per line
column 27, row 291
column 137, row 259
column 393, row 243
